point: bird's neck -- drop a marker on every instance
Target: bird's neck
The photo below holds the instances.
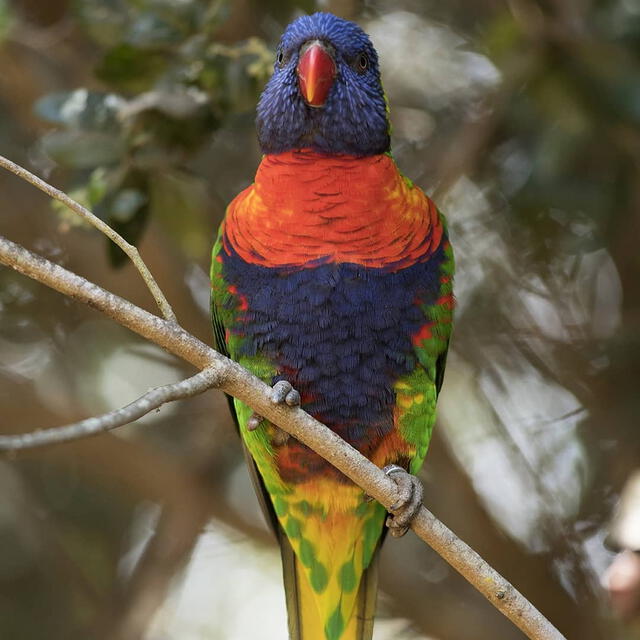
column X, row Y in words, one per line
column 305, row 206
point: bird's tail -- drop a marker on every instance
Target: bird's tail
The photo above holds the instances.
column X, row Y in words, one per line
column 306, row 621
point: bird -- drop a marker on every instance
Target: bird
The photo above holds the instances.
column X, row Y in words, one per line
column 332, row 282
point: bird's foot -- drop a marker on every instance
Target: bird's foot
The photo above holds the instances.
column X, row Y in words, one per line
column 281, row 393
column 405, row 509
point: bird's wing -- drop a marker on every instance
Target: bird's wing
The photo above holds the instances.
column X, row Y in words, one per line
column 220, row 307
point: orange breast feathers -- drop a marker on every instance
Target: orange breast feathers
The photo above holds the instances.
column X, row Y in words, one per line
column 305, row 206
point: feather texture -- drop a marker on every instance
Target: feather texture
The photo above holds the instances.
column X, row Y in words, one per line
column 334, row 273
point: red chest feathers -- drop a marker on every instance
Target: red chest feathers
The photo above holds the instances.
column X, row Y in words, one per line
column 306, row 207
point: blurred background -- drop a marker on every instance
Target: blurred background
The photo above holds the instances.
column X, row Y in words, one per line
column 520, row 117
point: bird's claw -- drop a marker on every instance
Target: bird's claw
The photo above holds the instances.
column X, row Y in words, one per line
column 254, row 421
column 281, row 393
column 406, row 507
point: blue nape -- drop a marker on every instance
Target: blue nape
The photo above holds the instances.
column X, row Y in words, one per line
column 340, row 333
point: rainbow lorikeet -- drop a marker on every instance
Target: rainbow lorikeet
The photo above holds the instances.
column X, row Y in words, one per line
column 332, row 282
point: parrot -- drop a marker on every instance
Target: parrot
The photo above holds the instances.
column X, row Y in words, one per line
column 331, row 281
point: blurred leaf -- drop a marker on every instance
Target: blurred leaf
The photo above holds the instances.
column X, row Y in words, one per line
column 180, row 103
column 130, row 68
column 126, row 209
column 241, row 70
column 5, row 19
column 502, row 36
column 131, row 231
column 83, row 149
column 165, row 23
column 126, row 204
column 88, row 196
column 104, row 20
column 625, row 97
column 96, row 187
column 81, row 109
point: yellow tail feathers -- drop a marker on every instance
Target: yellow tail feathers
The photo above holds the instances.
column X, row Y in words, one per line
column 306, row 621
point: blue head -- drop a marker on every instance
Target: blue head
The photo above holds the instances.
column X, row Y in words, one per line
column 325, row 92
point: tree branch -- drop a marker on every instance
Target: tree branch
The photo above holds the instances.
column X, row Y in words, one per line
column 145, row 404
column 236, row 381
column 129, row 249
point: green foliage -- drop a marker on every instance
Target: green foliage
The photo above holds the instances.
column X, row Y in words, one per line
column 169, row 84
column 571, row 104
column 5, row 19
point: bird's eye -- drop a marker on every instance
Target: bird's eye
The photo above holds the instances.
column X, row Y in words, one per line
column 280, row 57
column 362, row 62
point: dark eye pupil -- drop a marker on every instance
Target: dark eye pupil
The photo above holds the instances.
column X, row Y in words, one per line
column 280, row 57
column 363, row 61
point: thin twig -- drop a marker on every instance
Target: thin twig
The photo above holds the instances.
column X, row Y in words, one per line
column 102, row 226
column 152, row 399
column 238, row 382
column 167, row 334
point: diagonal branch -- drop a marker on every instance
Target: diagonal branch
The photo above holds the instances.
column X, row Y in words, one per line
column 238, row 382
column 152, row 399
column 102, row 226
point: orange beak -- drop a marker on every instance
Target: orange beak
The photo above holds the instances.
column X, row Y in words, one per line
column 316, row 71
